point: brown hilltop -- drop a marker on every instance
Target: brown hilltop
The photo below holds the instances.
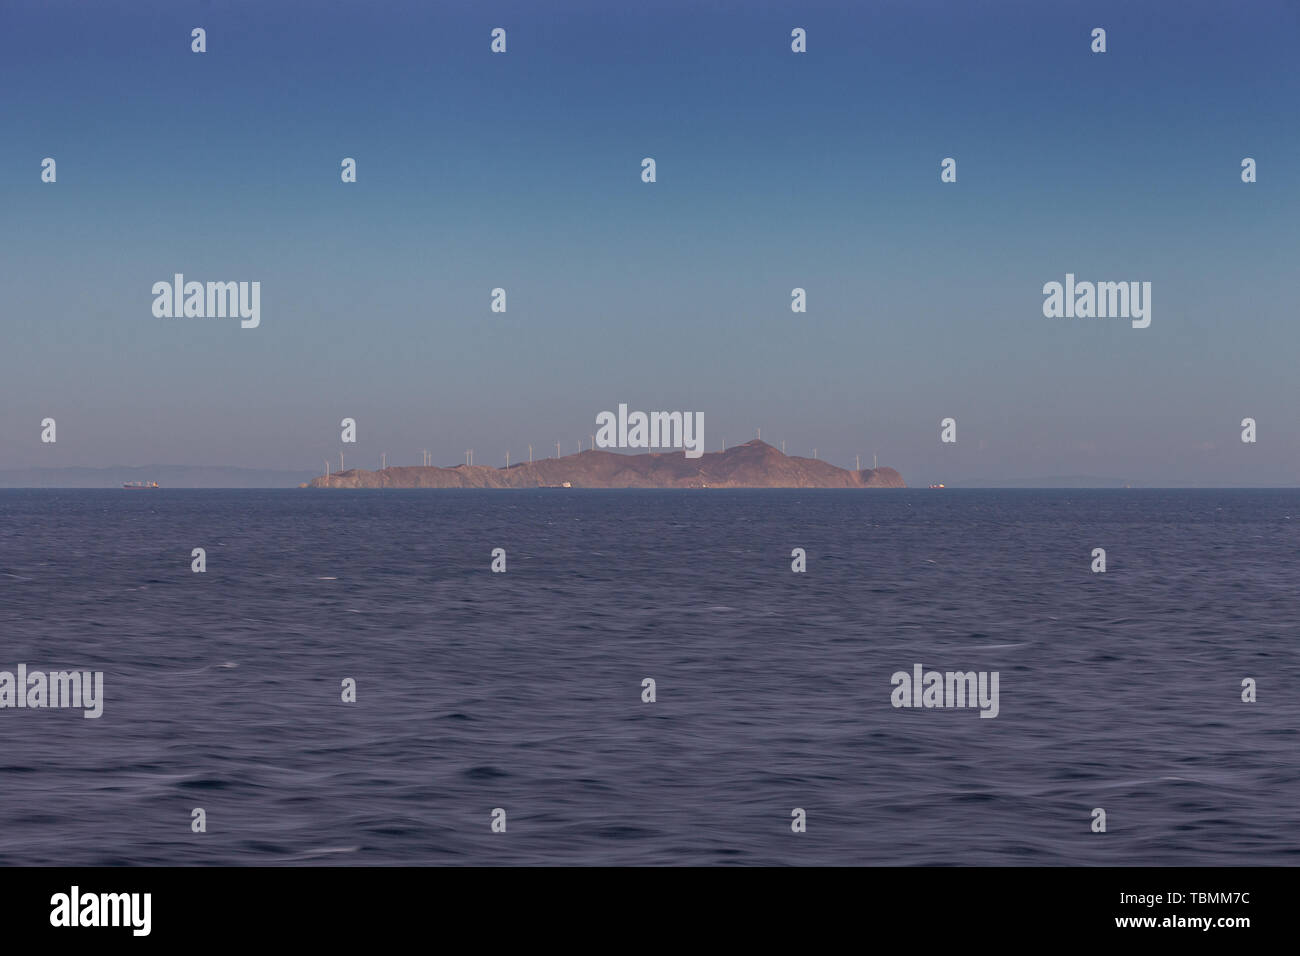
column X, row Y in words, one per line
column 754, row 464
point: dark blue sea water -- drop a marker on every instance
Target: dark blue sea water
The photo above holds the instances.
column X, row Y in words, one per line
column 523, row 690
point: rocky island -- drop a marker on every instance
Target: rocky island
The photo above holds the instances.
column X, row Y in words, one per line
column 754, row 464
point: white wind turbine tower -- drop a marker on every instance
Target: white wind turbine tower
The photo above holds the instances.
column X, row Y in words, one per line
column 857, row 462
column 383, row 460
column 593, row 442
column 507, row 458
column 557, row 449
column 530, row 454
column 340, row 461
column 327, row 471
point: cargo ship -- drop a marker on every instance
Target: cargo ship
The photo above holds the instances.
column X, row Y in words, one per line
column 139, row 485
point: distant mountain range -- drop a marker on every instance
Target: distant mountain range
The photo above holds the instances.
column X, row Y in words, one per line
column 754, row 464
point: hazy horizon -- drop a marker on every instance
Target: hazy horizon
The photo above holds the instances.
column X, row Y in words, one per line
column 203, row 476
column 775, row 170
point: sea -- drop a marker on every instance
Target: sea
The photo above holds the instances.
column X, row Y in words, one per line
column 500, row 718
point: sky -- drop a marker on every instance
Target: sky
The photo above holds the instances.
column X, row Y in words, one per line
column 775, row 170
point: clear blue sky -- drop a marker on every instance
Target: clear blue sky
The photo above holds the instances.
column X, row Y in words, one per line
column 775, row 170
